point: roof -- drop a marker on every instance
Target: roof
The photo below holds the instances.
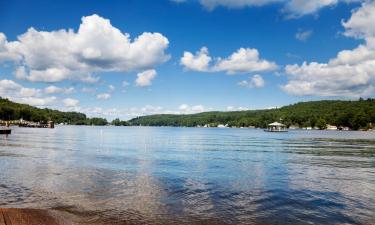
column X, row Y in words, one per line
column 276, row 124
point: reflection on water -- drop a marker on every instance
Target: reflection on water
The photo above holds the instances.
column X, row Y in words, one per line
column 189, row 175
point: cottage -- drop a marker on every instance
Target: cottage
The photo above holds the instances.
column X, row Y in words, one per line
column 331, row 127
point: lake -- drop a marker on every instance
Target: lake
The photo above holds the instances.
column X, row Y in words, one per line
column 152, row 175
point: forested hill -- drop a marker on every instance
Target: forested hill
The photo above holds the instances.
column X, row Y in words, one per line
column 14, row 111
column 353, row 114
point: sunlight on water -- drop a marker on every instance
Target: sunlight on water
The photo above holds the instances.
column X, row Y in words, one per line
column 191, row 175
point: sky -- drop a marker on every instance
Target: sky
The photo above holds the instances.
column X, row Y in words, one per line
column 131, row 58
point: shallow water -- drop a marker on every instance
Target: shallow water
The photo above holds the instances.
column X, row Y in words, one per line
column 191, row 175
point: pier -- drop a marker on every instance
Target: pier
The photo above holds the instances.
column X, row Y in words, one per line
column 25, row 123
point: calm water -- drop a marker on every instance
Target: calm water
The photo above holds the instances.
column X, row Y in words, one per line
column 191, row 175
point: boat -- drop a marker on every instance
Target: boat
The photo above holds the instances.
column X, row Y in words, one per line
column 276, row 127
column 5, row 130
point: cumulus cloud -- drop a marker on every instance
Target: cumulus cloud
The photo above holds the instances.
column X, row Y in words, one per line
column 303, row 35
column 57, row 90
column 240, row 108
column 111, row 88
column 127, row 113
column 186, row 109
column 70, row 102
column 18, row 93
column 255, row 81
column 198, row 62
column 241, row 61
column 211, row 4
column 351, row 73
column 298, row 8
column 293, row 8
column 41, row 102
column 103, row 96
column 144, row 78
column 88, row 90
column 97, row 46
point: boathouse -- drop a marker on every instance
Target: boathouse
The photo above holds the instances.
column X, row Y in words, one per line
column 276, row 127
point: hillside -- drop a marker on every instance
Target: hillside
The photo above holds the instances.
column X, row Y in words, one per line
column 14, row 111
column 353, row 114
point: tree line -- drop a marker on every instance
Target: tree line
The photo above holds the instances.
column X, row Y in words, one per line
column 355, row 115
column 352, row 114
column 14, row 111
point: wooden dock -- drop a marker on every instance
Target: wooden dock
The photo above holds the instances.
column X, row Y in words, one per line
column 29, row 217
column 25, row 123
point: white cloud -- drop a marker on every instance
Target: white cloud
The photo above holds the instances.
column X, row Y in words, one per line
column 361, row 23
column 111, row 88
column 149, row 109
column 16, row 92
column 5, row 54
column 211, row 4
column 103, row 96
column 255, row 81
column 57, row 90
column 350, row 74
column 11, row 88
column 240, row 108
column 41, row 102
column 244, row 60
column 97, row 46
column 89, row 79
column 127, row 113
column 303, row 35
column 125, row 83
column 186, row 109
column 198, row 62
column 241, row 61
column 144, row 78
column 198, row 108
column 70, row 102
column 298, row 8
column 69, row 90
column 230, row 108
column 88, row 90
column 293, row 8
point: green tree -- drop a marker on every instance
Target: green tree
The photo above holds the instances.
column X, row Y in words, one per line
column 321, row 124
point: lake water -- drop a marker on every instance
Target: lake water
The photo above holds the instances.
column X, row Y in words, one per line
column 191, row 175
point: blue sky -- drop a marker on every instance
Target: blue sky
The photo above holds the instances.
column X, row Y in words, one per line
column 190, row 56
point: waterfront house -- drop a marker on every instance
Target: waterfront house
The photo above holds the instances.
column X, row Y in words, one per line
column 331, row 127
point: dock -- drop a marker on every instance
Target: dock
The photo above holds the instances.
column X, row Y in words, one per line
column 5, row 130
column 25, row 123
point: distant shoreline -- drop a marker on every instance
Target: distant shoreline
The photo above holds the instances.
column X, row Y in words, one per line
column 220, row 128
column 353, row 115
